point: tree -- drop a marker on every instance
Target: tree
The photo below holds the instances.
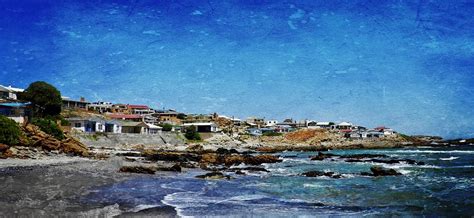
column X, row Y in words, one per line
column 45, row 99
column 167, row 127
column 192, row 134
column 9, row 131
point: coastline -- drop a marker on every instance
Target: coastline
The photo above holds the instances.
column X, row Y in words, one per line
column 57, row 185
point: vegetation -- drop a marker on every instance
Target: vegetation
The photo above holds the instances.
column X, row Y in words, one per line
column 167, row 127
column 181, row 116
column 9, row 131
column 50, row 127
column 45, row 99
column 272, row 134
column 192, row 134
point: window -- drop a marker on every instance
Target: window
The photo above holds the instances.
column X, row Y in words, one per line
column 77, row 125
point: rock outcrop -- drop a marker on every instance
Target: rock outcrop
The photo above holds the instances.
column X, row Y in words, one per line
column 138, row 169
column 320, row 173
column 214, row 175
column 380, row 171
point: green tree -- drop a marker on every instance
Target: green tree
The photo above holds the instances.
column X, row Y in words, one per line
column 192, row 134
column 45, row 99
column 181, row 116
column 9, row 131
column 167, row 127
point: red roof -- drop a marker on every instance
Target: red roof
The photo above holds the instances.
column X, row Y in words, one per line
column 346, row 130
column 125, row 116
column 138, row 106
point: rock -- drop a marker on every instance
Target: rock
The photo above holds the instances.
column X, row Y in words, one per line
column 174, row 168
column 380, row 171
column 260, row 159
column 320, row 173
column 210, row 158
column 322, row 156
column 225, row 151
column 214, row 175
column 138, row 169
column 3, row 147
column 170, row 156
column 230, row 160
column 196, row 147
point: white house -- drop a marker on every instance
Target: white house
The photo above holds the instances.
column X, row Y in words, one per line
column 270, row 123
column 203, row 127
column 344, row 126
column 9, row 93
column 323, row 125
column 87, row 124
column 153, row 129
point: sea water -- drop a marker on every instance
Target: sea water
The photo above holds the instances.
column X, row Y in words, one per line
column 444, row 186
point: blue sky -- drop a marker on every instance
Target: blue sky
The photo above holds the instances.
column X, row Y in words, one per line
column 405, row 64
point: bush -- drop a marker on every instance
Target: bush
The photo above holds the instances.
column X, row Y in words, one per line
column 272, row 134
column 65, row 122
column 167, row 127
column 9, row 131
column 50, row 127
column 191, row 133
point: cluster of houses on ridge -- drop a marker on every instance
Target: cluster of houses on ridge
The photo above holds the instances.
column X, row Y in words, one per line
column 141, row 119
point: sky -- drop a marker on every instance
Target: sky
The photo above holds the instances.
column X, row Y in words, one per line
column 407, row 64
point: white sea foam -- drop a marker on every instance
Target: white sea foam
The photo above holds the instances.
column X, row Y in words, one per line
column 434, row 151
column 141, row 207
column 449, row 158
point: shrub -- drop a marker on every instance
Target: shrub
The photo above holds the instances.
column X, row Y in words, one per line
column 50, row 127
column 272, row 134
column 167, row 127
column 191, row 133
column 9, row 131
column 65, row 122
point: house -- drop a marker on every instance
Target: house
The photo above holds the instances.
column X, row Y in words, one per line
column 19, row 112
column 255, row 121
column 126, row 117
column 87, row 124
column 113, row 126
column 312, row 124
column 324, row 125
column 270, row 123
column 140, row 109
column 199, row 118
column 357, row 134
column 73, row 104
column 374, row 134
column 203, row 127
column 344, row 126
column 100, row 106
column 283, row 128
column 171, row 117
column 9, row 93
column 134, row 127
column 386, row 131
column 120, row 109
column 153, row 129
column 254, row 131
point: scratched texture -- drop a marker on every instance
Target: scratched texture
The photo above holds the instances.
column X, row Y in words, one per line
column 406, row 64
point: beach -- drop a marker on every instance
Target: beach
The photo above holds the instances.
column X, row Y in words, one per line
column 72, row 186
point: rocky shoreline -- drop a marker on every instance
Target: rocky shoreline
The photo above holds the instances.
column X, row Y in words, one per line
column 46, row 176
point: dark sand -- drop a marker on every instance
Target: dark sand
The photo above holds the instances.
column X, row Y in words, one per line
column 45, row 190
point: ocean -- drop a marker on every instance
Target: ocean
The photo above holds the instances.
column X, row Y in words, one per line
column 443, row 186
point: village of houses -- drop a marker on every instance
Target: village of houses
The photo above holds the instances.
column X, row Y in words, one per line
column 115, row 118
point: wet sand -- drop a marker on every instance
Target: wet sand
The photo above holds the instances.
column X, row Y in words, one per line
column 55, row 187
